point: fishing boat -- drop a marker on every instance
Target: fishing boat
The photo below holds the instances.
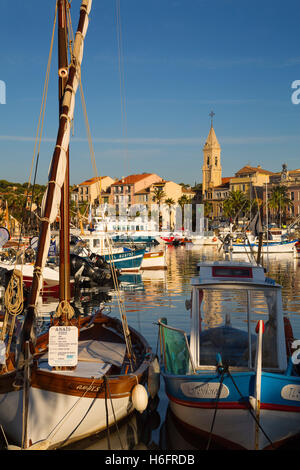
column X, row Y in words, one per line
column 234, row 378
column 269, row 246
column 50, row 277
column 154, row 260
column 83, row 374
column 122, row 257
column 128, row 230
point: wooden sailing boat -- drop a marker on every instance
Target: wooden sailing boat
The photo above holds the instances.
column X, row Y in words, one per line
column 55, row 392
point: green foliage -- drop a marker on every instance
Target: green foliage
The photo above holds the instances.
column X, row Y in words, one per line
column 159, row 194
column 235, row 204
column 279, row 201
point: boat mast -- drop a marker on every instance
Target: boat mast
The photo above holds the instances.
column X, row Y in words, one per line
column 57, row 170
column 64, row 232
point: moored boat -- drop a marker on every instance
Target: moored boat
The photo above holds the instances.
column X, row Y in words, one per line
column 121, row 257
column 83, row 374
column 154, row 260
column 227, row 380
column 286, row 246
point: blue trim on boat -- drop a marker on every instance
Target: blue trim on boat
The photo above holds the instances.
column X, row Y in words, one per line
column 127, row 259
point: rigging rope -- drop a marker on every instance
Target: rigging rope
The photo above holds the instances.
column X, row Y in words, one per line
column 122, row 310
column 122, row 79
column 14, row 304
column 40, row 126
column 89, row 135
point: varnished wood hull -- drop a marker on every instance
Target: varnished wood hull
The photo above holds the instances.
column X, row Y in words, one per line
column 64, row 407
column 62, row 418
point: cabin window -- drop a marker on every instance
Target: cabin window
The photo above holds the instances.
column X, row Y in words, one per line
column 96, row 242
column 223, row 325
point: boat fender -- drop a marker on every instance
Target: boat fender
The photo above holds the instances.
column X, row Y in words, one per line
column 153, row 378
column 139, row 398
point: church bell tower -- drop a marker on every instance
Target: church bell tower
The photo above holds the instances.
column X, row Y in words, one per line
column 211, row 169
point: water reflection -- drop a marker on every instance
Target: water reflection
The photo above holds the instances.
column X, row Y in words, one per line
column 150, row 295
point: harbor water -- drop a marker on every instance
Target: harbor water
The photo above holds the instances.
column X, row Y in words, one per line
column 151, row 295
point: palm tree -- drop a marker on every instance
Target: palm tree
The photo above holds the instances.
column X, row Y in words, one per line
column 207, row 208
column 170, row 202
column 184, row 199
column 159, row 194
column 279, row 201
column 235, row 204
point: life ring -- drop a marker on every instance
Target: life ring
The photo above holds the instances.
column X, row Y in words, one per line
column 214, row 239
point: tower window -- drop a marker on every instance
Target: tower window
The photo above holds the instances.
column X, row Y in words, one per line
column 216, row 161
column 208, row 160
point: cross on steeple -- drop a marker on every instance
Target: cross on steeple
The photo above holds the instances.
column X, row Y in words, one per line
column 211, row 114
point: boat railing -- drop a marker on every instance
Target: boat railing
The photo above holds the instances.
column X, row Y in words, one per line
column 175, row 349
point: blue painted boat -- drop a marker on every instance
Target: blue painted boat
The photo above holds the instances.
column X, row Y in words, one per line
column 126, row 260
column 137, row 239
column 238, row 385
column 123, row 258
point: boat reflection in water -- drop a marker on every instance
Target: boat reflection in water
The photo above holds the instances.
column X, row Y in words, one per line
column 174, row 436
column 149, row 296
column 133, row 433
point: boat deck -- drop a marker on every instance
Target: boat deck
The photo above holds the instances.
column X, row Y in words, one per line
column 99, row 350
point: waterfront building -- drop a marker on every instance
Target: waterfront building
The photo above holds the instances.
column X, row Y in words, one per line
column 251, row 181
column 291, row 180
column 124, row 192
column 169, row 190
column 89, row 190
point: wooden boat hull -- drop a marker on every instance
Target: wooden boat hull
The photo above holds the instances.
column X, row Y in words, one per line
column 64, row 417
column 154, row 260
column 65, row 406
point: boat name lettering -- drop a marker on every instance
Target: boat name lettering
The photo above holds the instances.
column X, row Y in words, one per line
column 291, row 392
column 87, row 388
column 204, row 390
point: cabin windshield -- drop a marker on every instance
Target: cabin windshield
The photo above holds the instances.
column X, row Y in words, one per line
column 224, row 325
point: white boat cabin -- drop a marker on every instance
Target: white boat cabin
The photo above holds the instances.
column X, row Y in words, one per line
column 227, row 301
column 124, row 224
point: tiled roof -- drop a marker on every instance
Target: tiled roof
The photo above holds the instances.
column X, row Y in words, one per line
column 253, row 169
column 226, row 180
column 92, row 181
column 131, row 179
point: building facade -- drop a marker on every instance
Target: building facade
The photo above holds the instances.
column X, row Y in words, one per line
column 126, row 191
column 89, row 190
column 291, row 180
column 251, row 181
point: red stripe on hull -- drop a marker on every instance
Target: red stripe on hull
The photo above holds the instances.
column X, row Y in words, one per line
column 233, row 405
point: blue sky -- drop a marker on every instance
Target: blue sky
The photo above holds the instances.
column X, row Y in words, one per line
column 182, row 58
